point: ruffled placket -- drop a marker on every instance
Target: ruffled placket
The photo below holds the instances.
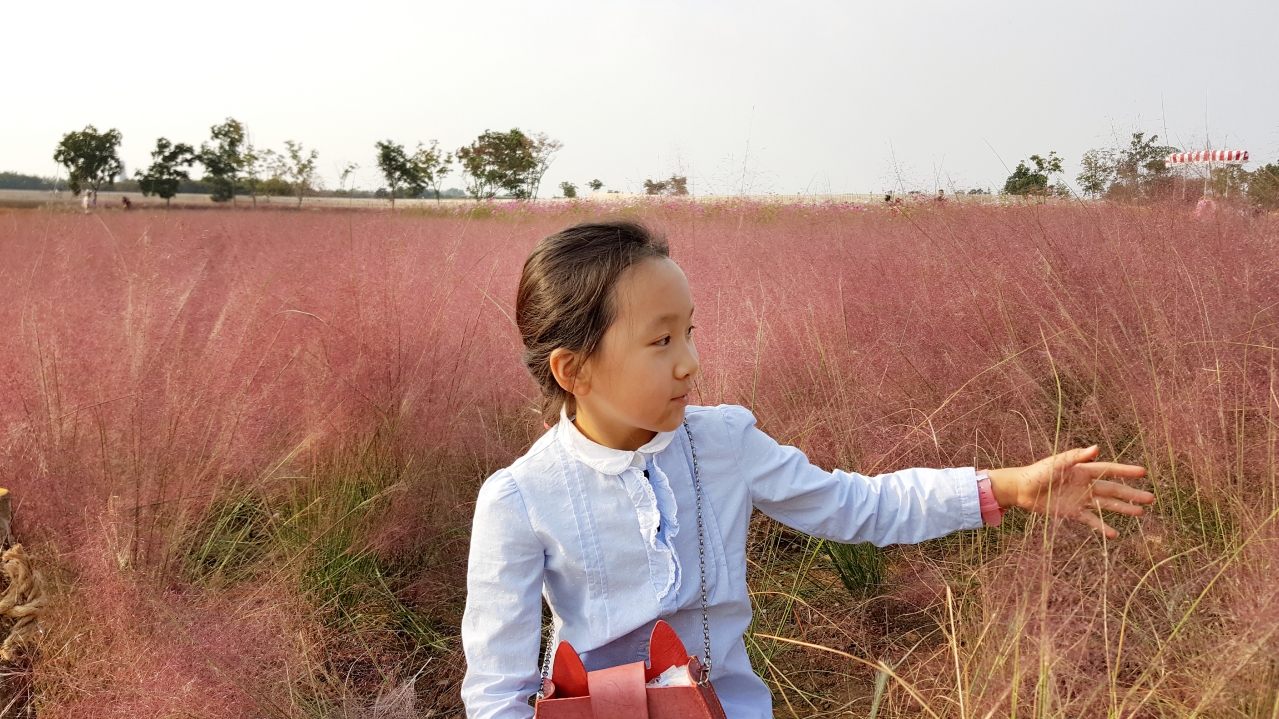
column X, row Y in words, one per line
column 652, row 497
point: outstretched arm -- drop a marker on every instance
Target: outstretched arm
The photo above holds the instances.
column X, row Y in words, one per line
column 913, row 505
column 1071, row 485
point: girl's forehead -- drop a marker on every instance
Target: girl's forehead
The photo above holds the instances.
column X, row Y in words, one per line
column 652, row 292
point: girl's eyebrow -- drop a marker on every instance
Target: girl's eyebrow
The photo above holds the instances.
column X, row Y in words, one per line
column 670, row 317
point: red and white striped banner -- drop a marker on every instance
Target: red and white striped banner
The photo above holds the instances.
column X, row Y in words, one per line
column 1181, row 158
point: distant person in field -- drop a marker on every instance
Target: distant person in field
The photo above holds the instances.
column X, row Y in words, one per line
column 84, row 201
column 1206, row 207
column 125, row 204
column 601, row 515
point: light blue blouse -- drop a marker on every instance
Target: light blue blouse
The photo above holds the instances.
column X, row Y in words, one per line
column 613, row 551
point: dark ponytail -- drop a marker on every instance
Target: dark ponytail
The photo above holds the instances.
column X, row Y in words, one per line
column 566, row 296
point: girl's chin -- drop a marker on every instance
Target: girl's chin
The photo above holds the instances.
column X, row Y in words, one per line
column 673, row 419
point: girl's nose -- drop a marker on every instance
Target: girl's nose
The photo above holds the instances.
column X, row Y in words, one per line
column 688, row 366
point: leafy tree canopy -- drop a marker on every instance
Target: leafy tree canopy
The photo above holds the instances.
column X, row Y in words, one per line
column 90, row 157
column 299, row 168
column 224, row 158
column 543, row 150
column 513, row 162
column 429, row 165
column 674, row 185
column 1135, row 171
column 1263, row 186
column 169, row 163
column 498, row 161
column 1028, row 181
column 399, row 170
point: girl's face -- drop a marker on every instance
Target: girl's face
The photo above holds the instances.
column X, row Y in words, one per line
column 638, row 381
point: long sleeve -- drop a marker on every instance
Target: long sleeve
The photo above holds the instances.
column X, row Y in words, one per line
column 903, row 507
column 501, row 628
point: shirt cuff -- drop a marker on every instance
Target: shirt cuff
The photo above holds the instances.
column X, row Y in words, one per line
column 969, row 499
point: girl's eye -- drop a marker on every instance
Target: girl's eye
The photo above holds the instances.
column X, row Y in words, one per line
column 664, row 341
column 690, row 330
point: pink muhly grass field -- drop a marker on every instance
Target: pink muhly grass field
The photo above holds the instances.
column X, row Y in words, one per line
column 244, row 445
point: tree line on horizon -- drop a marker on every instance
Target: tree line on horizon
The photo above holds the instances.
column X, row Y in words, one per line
column 512, row 164
column 496, row 163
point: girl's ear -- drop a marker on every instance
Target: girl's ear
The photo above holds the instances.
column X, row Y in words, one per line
column 570, row 373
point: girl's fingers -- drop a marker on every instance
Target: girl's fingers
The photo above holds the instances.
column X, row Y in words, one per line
column 1076, row 456
column 1114, row 469
column 1114, row 505
column 1104, row 488
column 1095, row 522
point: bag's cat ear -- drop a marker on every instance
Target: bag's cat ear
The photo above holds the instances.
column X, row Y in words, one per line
column 665, row 650
column 569, row 676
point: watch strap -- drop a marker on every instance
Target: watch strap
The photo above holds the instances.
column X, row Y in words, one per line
column 991, row 513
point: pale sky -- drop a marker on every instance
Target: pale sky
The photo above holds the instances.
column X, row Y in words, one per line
column 780, row 97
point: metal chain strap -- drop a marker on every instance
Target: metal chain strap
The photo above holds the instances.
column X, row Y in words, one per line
column 701, row 569
column 701, row 561
column 546, row 666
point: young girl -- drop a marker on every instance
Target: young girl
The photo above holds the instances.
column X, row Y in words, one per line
column 601, row 516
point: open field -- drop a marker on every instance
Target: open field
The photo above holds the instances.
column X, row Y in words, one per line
column 245, row 445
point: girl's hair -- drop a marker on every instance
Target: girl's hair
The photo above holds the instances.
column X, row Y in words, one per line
column 566, row 296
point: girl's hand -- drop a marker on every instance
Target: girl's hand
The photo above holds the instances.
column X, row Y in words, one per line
column 1070, row 485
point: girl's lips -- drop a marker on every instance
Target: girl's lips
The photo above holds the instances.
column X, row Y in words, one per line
column 682, row 399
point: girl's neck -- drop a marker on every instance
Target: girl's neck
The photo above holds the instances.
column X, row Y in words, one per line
column 614, row 435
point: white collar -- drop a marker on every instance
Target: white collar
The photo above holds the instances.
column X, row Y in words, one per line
column 607, row 460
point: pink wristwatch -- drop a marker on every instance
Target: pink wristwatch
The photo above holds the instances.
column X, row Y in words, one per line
column 991, row 513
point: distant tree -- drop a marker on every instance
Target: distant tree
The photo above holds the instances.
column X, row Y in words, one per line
column 224, row 159
column 568, row 189
column 399, row 171
column 1027, row 181
column 345, row 171
column 430, row 165
column 1263, row 186
column 1097, row 172
column 90, row 158
column 502, row 161
column 1137, row 171
column 543, row 149
column 1223, row 179
column 1143, row 161
column 595, row 185
column 254, row 166
column 170, row 165
column 673, row 185
column 300, row 168
column 480, row 166
column 275, row 166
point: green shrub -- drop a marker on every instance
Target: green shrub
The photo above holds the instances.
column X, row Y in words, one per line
column 1263, row 186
